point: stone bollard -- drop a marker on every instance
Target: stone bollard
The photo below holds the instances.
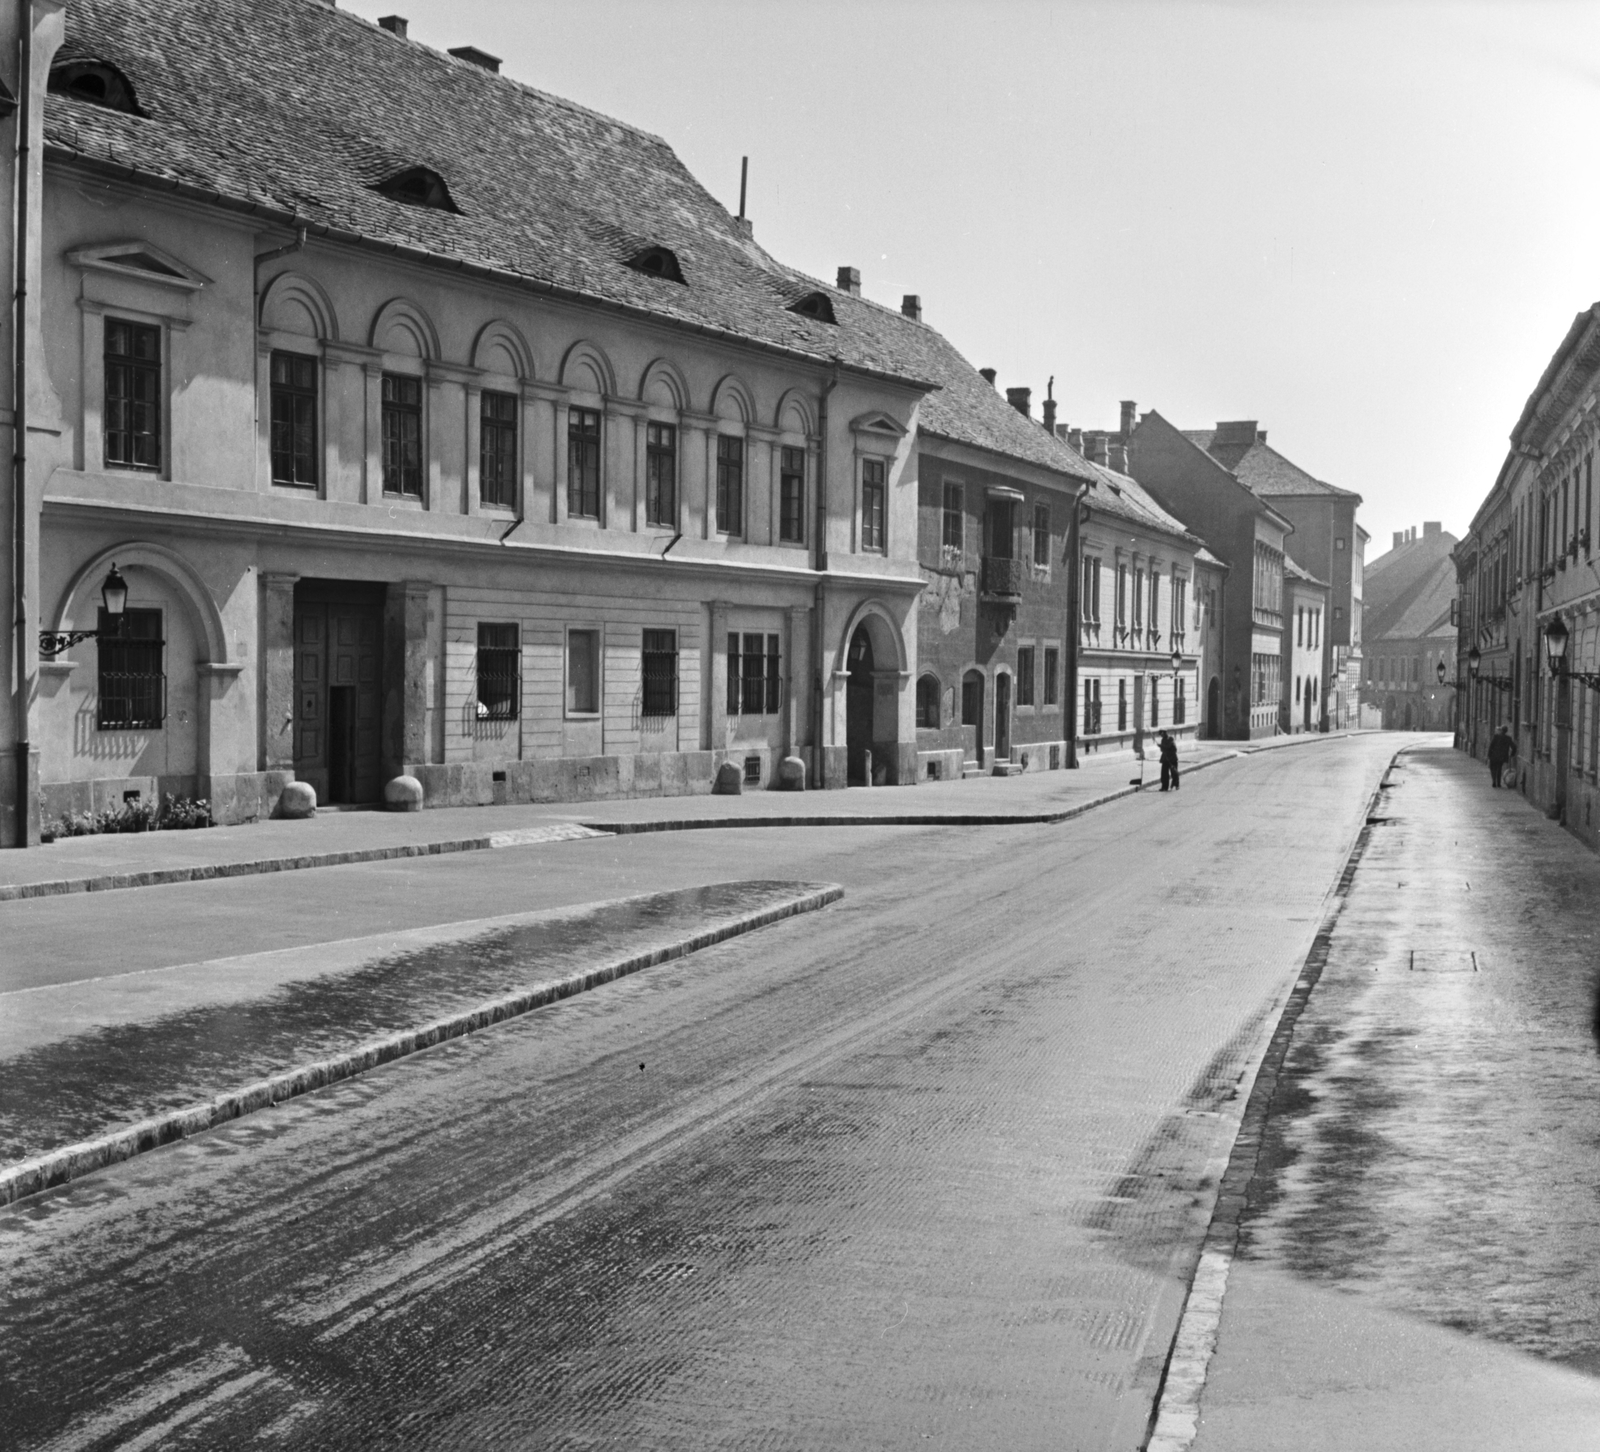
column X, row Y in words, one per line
column 403, row 794
column 791, row 774
column 866, row 773
column 299, row 799
column 729, row 782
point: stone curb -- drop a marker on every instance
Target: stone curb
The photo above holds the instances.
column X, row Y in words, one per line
column 205, row 872
column 29, row 1177
column 1175, row 1419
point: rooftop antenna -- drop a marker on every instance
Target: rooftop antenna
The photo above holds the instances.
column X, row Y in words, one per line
column 744, row 177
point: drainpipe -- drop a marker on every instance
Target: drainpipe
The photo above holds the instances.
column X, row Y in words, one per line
column 820, row 547
column 1074, row 630
column 298, row 245
column 19, row 429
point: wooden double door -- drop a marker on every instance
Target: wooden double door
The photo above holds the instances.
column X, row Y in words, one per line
column 338, row 668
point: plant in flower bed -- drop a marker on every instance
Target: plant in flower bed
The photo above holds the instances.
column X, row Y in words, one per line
column 170, row 814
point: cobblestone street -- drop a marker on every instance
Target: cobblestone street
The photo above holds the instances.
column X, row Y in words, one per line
column 930, row 1164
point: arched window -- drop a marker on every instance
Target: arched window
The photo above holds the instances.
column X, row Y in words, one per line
column 928, row 703
column 95, row 82
column 814, row 305
column 657, row 262
column 417, row 186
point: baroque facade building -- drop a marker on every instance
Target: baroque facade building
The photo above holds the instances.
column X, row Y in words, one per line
column 1411, row 631
column 1528, row 573
column 437, row 426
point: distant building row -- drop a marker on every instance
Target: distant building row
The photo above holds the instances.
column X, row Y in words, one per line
column 523, row 470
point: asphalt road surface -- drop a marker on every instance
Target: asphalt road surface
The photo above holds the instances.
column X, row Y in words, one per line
column 925, row 1167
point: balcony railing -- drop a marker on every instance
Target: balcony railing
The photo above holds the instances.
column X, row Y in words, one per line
column 1002, row 579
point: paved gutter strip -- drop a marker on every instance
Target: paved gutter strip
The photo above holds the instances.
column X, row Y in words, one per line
column 1175, row 1420
column 29, row 1177
column 567, row 832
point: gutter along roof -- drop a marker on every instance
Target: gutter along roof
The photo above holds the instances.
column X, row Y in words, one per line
column 296, row 111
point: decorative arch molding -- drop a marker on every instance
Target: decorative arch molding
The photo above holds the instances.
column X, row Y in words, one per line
column 501, row 334
column 401, row 313
column 732, row 394
column 668, row 375
column 76, row 600
column 883, row 630
column 292, row 288
column 796, row 402
column 585, row 356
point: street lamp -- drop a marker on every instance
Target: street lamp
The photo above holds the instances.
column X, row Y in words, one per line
column 1177, row 660
column 1555, row 644
column 113, row 595
column 1474, row 660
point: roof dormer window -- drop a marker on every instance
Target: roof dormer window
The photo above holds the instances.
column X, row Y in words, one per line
column 658, row 262
column 97, row 83
column 418, row 186
column 814, row 305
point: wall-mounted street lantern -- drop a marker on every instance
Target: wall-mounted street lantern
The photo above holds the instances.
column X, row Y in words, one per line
column 1474, row 661
column 1556, row 636
column 1455, row 685
column 1475, row 664
column 1177, row 660
column 113, row 594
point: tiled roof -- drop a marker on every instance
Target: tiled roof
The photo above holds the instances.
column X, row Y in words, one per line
column 295, row 109
column 1124, row 497
column 1424, row 612
column 1299, row 572
column 1261, row 467
column 969, row 410
column 1402, row 587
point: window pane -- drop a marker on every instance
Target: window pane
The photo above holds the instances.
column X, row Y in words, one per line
column 1041, row 534
column 792, row 496
column 1051, row 670
column 753, row 699
column 499, row 684
column 402, row 435
column 872, row 504
column 774, row 680
column 735, row 697
column 583, row 671
column 133, row 395
column 131, row 671
column 583, row 463
column 660, row 670
column 954, row 518
column 497, row 451
column 294, row 419
column 1025, row 676
column 730, row 485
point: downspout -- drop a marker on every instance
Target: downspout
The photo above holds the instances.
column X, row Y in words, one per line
column 298, row 245
column 819, row 600
column 19, row 431
column 1074, row 611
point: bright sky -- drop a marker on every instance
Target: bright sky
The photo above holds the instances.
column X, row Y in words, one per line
column 1366, row 226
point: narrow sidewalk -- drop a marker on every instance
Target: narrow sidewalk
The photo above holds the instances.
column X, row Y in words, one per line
column 86, row 864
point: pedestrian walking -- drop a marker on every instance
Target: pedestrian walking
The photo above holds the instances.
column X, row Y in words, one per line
column 1169, row 762
column 1502, row 747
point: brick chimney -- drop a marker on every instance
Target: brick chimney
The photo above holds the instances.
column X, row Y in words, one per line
column 1021, row 399
column 1095, row 448
column 850, row 281
column 1237, row 431
column 394, row 24
column 1075, row 438
column 1048, row 409
column 1129, row 418
column 911, row 307
column 1399, row 538
column 1117, row 457
column 988, row 375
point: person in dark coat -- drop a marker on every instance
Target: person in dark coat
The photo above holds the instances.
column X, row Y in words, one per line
column 1169, row 762
column 1502, row 747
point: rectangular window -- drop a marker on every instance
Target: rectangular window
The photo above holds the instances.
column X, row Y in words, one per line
column 660, row 663
column 730, row 485
column 132, row 671
column 1299, row 626
column 792, row 496
column 1041, row 535
column 1138, row 599
column 1122, row 705
column 755, row 687
column 402, row 435
column 1180, row 707
column 1155, row 603
column 1155, row 700
column 872, row 504
column 1091, row 707
column 661, row 479
column 499, row 678
column 583, row 463
column 133, row 395
column 1025, row 675
column 1122, row 597
column 1089, row 604
column 1180, row 610
column 294, row 419
column 583, row 672
column 497, row 449
column 1052, row 676
column 954, row 518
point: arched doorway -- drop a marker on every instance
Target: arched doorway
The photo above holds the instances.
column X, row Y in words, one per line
column 972, row 715
column 858, row 706
column 1214, row 709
